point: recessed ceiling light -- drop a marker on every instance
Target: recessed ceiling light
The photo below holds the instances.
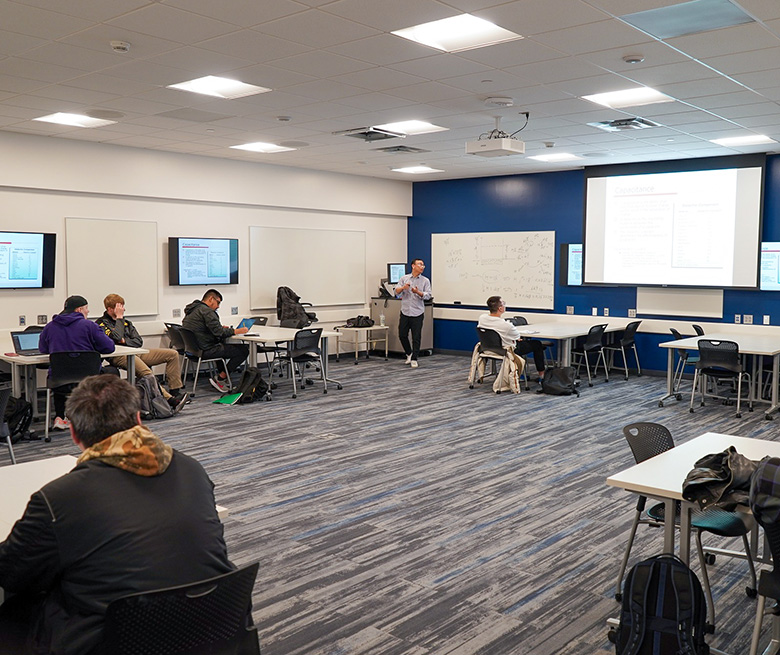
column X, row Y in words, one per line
column 259, row 146
column 457, row 33
column 74, row 120
column 416, row 170
column 749, row 140
column 556, row 156
column 642, row 95
column 411, row 127
column 219, row 87
column 687, row 18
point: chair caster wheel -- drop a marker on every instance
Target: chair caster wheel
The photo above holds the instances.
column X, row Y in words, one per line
column 590, row 384
column 47, row 439
column 471, row 386
column 309, row 382
column 612, row 635
column 324, row 391
column 751, row 593
column 691, row 410
column 739, row 415
column 709, row 629
column 768, row 417
column 295, row 395
column 339, row 387
column 660, row 403
column 619, row 597
column 498, row 392
column 273, row 385
column 709, row 559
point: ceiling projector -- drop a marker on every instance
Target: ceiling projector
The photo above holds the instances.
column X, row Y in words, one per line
column 495, row 147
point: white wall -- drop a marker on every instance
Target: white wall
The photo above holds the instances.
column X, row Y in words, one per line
column 45, row 180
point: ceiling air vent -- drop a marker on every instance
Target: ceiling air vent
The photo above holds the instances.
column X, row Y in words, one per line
column 370, row 134
column 393, row 150
column 623, row 124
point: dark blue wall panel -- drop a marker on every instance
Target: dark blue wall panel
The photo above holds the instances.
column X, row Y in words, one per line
column 554, row 201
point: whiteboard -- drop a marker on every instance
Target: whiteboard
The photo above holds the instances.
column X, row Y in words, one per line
column 106, row 256
column 324, row 267
column 680, row 302
column 467, row 268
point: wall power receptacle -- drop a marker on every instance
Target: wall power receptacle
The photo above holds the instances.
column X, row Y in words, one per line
column 766, row 319
column 234, row 311
column 737, row 318
column 43, row 319
column 569, row 309
column 747, row 319
column 606, row 311
column 22, row 320
column 594, row 311
column 176, row 313
column 631, row 313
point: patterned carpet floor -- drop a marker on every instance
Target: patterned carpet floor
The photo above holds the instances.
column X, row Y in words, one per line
column 408, row 514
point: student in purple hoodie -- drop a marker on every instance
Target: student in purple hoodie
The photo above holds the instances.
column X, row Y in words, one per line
column 71, row 331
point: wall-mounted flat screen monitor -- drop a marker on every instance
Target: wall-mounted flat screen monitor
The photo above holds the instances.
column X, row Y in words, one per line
column 395, row 272
column 27, row 260
column 770, row 266
column 195, row 260
column 571, row 264
column 691, row 225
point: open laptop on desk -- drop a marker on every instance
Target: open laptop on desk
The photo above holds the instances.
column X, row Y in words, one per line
column 26, row 343
column 247, row 323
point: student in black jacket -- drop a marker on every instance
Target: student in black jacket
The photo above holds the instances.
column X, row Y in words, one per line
column 134, row 515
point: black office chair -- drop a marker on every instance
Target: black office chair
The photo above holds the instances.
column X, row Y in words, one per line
column 491, row 349
column 194, row 353
column 648, row 440
column 764, row 503
column 304, row 349
column 265, row 349
column 593, row 343
column 5, row 431
column 626, row 342
column 209, row 617
column 519, row 321
column 720, row 360
column 684, row 358
column 698, row 329
column 68, row 369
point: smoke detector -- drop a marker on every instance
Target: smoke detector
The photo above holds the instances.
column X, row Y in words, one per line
column 120, row 46
column 633, row 59
column 499, row 101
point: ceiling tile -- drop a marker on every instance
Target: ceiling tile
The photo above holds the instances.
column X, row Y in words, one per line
column 557, row 70
column 40, row 23
column 244, row 13
column 321, row 64
column 440, row 67
column 529, row 17
column 200, row 61
column 318, row 29
column 34, row 70
column 592, row 37
column 513, row 53
column 378, row 79
column 729, row 40
column 745, row 62
column 253, row 46
column 92, row 10
column 12, row 43
column 74, row 57
column 170, row 23
column 383, row 49
column 389, row 16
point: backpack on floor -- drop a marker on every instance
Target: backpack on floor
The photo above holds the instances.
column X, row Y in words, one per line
column 251, row 386
column 664, row 610
column 153, row 403
column 559, row 381
column 18, row 415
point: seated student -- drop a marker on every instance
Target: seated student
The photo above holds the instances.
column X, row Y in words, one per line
column 133, row 515
column 70, row 331
column 510, row 335
column 122, row 332
column 202, row 319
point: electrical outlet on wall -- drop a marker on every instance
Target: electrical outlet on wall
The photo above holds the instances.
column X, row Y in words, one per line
column 22, row 320
column 569, row 309
column 595, row 311
column 631, row 313
column 747, row 319
column 176, row 313
column 234, row 310
column 606, row 311
column 766, row 319
column 42, row 319
column 737, row 318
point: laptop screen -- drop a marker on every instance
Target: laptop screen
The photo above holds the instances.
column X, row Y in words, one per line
column 25, row 341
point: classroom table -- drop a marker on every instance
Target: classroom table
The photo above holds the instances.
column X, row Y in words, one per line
column 759, row 345
column 268, row 333
column 370, row 341
column 564, row 333
column 23, row 370
column 662, row 477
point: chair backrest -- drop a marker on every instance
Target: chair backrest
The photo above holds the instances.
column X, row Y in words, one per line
column 698, row 329
column 260, row 320
column 518, row 320
column 306, row 340
column 765, row 503
column 647, row 440
column 34, row 328
column 209, row 616
column 176, row 339
column 5, row 394
column 73, row 366
column 720, row 355
column 594, row 339
column 191, row 347
column 681, row 352
column 629, row 335
column 490, row 342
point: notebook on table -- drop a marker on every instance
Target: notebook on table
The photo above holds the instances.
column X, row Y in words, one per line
column 26, row 343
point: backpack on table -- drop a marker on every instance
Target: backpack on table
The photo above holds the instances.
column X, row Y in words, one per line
column 664, row 610
column 153, row 403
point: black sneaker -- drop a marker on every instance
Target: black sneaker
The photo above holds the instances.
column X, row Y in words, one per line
column 178, row 402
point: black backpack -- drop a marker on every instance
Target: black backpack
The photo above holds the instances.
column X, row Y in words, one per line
column 664, row 610
column 251, row 386
column 153, row 403
column 559, row 381
column 19, row 416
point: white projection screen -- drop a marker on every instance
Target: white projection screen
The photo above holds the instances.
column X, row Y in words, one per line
column 695, row 228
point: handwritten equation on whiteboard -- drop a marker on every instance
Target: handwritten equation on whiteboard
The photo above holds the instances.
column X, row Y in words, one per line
column 466, row 268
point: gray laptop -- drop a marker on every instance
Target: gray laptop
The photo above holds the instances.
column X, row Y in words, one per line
column 26, row 343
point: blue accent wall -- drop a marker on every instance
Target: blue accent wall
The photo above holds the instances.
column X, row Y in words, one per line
column 555, row 201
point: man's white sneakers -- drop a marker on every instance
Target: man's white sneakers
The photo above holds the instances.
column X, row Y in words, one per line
column 408, row 359
column 413, row 363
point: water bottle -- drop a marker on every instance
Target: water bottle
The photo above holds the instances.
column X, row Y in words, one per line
column 382, row 319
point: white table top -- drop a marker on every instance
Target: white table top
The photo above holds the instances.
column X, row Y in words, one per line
column 264, row 333
column 20, row 481
column 564, row 330
column 663, row 475
column 749, row 344
column 30, row 360
column 344, row 328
